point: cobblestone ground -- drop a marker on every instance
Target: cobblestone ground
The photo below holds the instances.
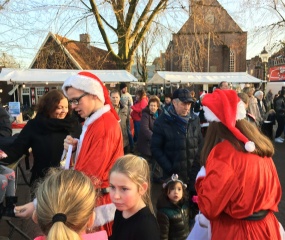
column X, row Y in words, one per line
column 33, row 230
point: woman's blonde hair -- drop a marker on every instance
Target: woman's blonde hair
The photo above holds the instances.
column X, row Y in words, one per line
column 217, row 132
column 68, row 192
column 137, row 169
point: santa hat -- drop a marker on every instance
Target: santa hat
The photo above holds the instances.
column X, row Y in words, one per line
column 89, row 83
column 225, row 106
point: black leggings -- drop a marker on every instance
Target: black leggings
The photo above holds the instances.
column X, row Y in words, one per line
column 281, row 123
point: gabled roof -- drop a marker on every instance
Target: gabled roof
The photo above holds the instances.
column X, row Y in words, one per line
column 82, row 55
column 209, row 16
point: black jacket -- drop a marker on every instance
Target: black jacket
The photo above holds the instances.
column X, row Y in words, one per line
column 45, row 136
column 173, row 220
column 146, row 128
column 175, row 151
column 5, row 124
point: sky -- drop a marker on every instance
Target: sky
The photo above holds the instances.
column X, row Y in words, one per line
column 24, row 26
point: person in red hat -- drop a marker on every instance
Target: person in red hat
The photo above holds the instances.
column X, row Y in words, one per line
column 238, row 188
column 100, row 143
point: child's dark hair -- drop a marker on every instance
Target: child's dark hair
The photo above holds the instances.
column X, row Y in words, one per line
column 170, row 183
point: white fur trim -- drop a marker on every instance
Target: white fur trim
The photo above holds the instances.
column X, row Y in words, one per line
column 203, row 221
column 241, row 112
column 249, row 146
column 201, row 173
column 87, row 122
column 104, row 214
column 85, row 84
column 209, row 115
column 282, row 233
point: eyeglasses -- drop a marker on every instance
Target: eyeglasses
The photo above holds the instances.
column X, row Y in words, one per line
column 75, row 101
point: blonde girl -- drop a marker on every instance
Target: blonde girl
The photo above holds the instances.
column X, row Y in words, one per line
column 130, row 192
column 65, row 206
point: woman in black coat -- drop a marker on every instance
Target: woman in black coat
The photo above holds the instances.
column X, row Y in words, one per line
column 149, row 114
column 45, row 134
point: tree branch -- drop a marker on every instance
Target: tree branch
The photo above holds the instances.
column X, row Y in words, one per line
column 102, row 29
column 139, row 37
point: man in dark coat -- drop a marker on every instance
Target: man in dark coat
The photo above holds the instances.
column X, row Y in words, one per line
column 6, row 137
column 177, row 140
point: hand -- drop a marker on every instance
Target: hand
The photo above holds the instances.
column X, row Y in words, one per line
column 25, row 211
column 2, row 154
column 70, row 141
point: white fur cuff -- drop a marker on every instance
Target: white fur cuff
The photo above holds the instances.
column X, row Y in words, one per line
column 201, row 173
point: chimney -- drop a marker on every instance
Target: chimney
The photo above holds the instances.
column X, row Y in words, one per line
column 85, row 38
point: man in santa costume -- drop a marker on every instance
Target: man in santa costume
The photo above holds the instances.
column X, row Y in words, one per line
column 238, row 188
column 101, row 141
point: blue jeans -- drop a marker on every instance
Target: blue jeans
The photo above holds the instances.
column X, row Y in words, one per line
column 137, row 125
column 130, row 136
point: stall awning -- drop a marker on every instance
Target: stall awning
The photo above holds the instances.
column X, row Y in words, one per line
column 164, row 77
column 58, row 76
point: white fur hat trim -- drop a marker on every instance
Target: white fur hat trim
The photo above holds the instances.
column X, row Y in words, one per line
column 85, row 84
column 211, row 117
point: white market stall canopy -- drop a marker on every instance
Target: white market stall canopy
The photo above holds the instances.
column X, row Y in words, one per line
column 163, row 77
column 57, row 76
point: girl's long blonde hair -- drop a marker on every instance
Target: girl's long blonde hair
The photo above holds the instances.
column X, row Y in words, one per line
column 69, row 192
column 136, row 169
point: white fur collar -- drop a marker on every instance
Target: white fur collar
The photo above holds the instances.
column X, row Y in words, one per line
column 97, row 114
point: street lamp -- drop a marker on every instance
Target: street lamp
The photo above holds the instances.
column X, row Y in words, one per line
column 264, row 58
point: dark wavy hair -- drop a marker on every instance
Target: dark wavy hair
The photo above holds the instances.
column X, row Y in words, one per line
column 166, row 190
column 141, row 93
column 49, row 102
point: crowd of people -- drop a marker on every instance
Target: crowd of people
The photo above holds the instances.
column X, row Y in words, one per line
column 207, row 190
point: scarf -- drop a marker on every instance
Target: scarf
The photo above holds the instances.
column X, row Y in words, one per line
column 179, row 121
column 45, row 125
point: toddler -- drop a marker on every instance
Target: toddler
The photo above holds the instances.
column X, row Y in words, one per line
column 173, row 210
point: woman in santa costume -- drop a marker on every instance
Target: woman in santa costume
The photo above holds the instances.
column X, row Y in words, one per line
column 101, row 141
column 238, row 189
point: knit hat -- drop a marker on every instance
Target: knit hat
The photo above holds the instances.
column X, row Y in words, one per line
column 174, row 178
column 123, row 85
column 225, row 106
column 89, row 83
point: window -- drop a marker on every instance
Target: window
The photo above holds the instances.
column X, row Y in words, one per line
column 185, row 63
column 232, row 61
column 26, row 91
column 40, row 91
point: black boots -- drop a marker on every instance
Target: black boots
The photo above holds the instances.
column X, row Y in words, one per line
column 8, row 211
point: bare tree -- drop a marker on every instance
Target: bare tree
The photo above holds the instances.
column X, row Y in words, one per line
column 144, row 51
column 3, row 3
column 8, row 61
column 130, row 27
column 122, row 24
column 267, row 21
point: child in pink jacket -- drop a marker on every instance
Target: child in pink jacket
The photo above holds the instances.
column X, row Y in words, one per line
column 65, row 207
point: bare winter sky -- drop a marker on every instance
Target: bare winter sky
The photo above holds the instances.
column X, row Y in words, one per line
column 24, row 25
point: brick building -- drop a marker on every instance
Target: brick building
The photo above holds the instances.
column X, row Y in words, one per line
column 57, row 52
column 209, row 41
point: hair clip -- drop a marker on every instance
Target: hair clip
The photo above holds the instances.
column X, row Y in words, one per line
column 174, row 178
